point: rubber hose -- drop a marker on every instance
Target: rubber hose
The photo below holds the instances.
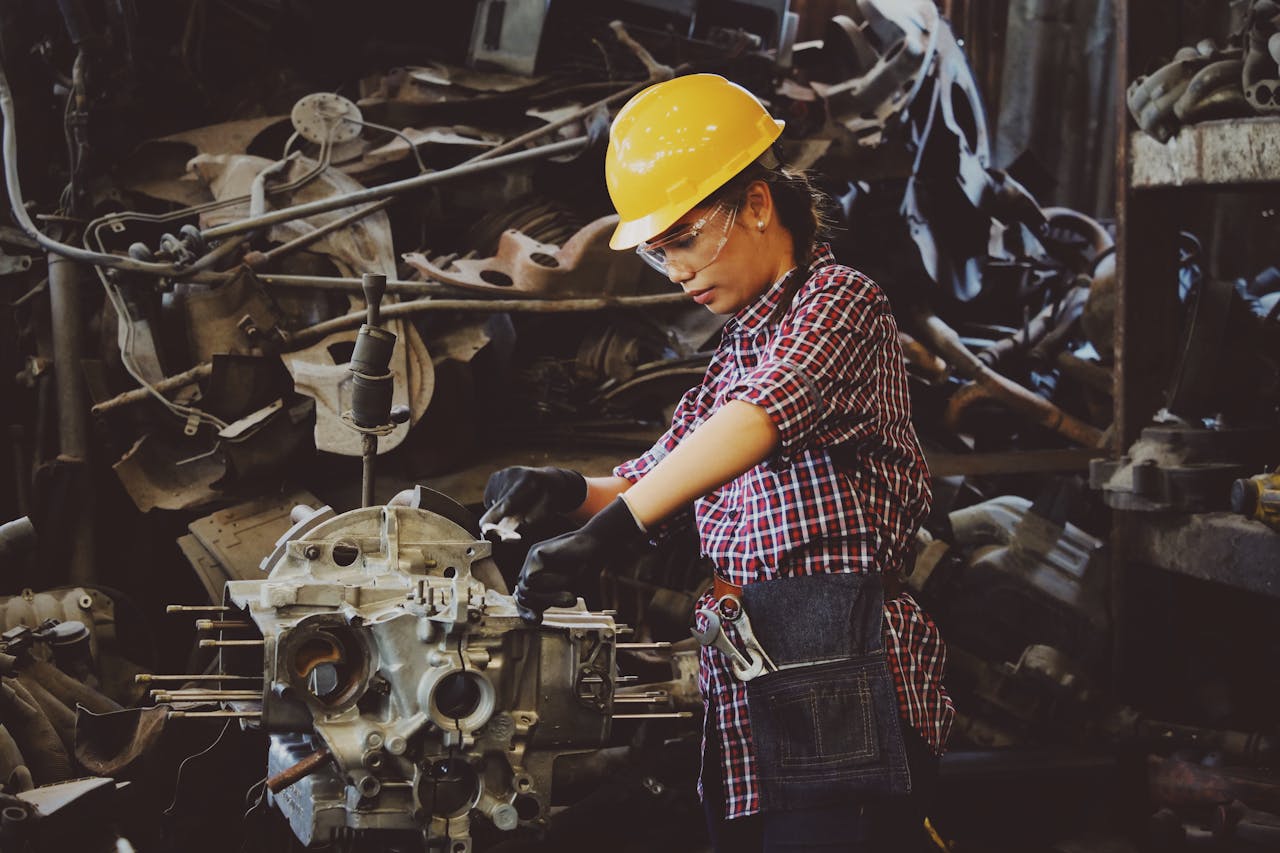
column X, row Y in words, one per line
column 69, row 691
column 34, row 734
column 62, row 717
column 10, row 757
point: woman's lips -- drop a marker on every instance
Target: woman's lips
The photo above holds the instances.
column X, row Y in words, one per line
column 702, row 297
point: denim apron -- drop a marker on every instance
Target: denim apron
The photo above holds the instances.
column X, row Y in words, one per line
column 825, row 725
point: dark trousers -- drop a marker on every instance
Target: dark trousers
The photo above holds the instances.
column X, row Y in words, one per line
column 883, row 825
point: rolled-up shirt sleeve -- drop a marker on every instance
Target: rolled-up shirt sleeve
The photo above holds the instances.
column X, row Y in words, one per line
column 816, row 381
column 682, row 421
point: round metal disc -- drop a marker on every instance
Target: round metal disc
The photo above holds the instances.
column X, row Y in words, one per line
column 324, row 115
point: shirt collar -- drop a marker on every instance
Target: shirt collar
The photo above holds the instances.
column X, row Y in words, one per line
column 753, row 317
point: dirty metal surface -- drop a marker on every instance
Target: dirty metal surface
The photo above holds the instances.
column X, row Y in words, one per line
column 229, row 544
column 1214, row 153
column 1218, row 546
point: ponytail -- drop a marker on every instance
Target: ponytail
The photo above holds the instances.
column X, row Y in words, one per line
column 803, row 209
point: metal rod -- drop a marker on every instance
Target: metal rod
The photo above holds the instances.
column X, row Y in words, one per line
column 163, row 696
column 257, row 260
column 648, row 700
column 221, row 624
column 609, row 100
column 311, row 334
column 243, row 690
column 195, row 608
column 301, row 211
column 395, row 286
column 676, row 715
column 215, row 644
column 137, row 395
column 147, row 678
column 368, row 451
column 299, row 771
column 641, row 646
column 193, row 715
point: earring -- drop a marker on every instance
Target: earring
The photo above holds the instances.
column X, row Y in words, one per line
column 759, row 225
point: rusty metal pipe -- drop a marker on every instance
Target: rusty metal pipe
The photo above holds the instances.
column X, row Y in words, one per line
column 137, row 395
column 67, row 320
column 298, row 772
column 73, row 433
column 918, row 356
column 1098, row 235
column 985, row 383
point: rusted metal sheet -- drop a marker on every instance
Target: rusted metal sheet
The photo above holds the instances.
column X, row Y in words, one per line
column 1213, row 153
column 584, row 266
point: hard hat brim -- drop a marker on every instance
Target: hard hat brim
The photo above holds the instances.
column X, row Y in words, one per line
column 631, row 233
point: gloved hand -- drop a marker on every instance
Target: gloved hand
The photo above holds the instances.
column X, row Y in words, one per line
column 532, row 496
column 556, row 568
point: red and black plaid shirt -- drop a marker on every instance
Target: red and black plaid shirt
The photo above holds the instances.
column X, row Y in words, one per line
column 829, row 374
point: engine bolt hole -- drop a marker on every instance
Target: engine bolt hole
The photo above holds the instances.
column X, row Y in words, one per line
column 526, row 806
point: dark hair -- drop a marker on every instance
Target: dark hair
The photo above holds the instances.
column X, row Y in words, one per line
column 802, row 207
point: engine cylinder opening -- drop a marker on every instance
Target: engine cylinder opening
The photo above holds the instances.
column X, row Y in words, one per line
column 328, row 665
column 460, row 700
column 449, row 787
column 457, row 695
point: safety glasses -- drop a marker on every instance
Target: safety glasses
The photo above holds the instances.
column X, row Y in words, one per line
column 692, row 247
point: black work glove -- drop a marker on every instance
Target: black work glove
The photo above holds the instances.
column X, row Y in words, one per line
column 557, row 567
column 532, row 496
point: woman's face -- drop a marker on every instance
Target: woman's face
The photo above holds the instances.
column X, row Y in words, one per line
column 738, row 250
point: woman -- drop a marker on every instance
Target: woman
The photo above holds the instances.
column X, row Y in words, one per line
column 806, row 482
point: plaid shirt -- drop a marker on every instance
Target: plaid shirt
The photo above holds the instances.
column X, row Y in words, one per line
column 829, row 374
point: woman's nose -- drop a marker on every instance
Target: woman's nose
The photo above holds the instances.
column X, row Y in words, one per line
column 677, row 275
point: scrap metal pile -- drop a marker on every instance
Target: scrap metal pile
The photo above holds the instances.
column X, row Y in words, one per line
column 1206, row 81
column 186, row 308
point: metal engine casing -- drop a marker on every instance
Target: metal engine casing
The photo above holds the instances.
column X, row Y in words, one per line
column 382, row 644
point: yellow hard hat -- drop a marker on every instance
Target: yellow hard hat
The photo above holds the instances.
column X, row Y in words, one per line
column 675, row 143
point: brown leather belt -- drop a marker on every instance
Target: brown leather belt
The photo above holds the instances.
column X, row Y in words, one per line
column 721, row 587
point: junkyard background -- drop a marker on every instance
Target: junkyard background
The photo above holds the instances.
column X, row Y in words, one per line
column 1070, row 204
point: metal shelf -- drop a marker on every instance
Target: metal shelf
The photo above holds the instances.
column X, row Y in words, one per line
column 1218, row 547
column 1234, row 152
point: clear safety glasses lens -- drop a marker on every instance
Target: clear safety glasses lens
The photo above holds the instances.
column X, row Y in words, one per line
column 692, row 247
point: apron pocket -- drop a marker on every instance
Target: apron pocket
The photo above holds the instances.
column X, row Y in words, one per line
column 826, row 733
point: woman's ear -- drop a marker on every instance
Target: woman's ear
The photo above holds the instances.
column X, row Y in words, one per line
column 758, row 208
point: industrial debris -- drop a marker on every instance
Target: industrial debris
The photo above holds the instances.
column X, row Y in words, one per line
column 231, row 302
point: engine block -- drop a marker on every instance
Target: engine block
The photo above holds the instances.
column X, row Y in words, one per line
column 402, row 691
